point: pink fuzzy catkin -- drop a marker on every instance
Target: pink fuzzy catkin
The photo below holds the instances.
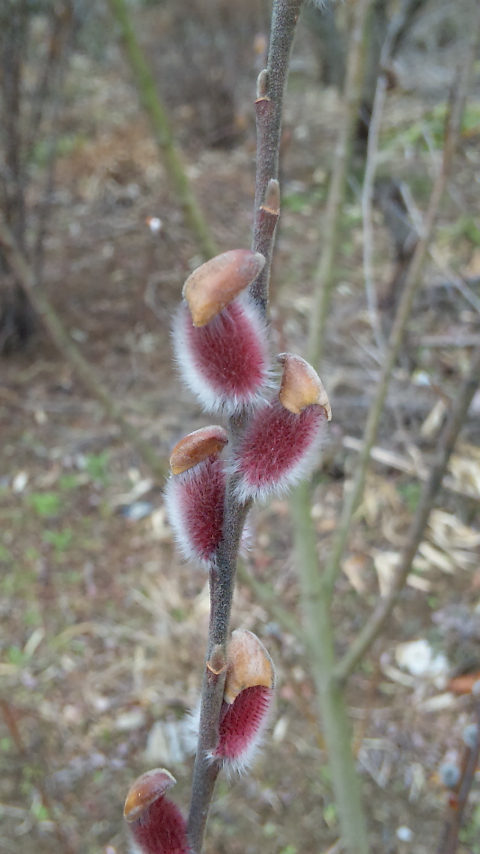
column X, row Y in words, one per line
column 194, row 501
column 161, row 829
column 242, row 724
column 226, row 362
column 277, row 449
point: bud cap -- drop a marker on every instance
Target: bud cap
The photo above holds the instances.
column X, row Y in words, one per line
column 301, row 386
column 248, row 665
column 217, row 282
column 196, row 447
column 145, row 790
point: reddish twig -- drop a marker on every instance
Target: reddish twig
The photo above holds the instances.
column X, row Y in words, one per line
column 456, row 808
column 268, row 108
column 271, row 88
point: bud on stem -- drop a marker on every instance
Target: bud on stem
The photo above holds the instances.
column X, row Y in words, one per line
column 220, row 339
column 195, row 493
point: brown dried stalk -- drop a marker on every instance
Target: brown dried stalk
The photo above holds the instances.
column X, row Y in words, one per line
column 429, row 491
column 67, row 347
column 157, row 115
column 449, row 842
column 412, row 284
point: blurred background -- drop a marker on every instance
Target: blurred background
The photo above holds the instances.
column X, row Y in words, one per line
column 103, row 627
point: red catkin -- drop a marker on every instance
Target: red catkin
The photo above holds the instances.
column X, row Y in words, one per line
column 226, row 362
column 277, row 449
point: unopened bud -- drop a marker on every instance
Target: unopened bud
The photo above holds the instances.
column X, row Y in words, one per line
column 449, row 774
column 156, row 824
column 470, row 736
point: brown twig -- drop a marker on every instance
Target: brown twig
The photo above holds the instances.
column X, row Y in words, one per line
column 428, row 494
column 323, row 278
column 411, row 287
column 157, row 115
column 268, row 108
column 449, row 842
column 66, row 346
column 223, row 573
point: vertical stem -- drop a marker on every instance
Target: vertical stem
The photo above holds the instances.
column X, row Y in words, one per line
column 319, row 630
column 385, row 605
column 331, row 699
column 222, row 585
column 268, row 108
column 324, row 275
column 223, row 571
column 411, row 286
column 161, row 127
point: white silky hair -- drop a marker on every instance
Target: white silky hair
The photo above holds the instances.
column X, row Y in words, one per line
column 211, row 399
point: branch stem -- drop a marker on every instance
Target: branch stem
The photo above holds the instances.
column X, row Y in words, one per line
column 324, row 275
column 411, row 286
column 330, row 696
column 268, row 108
column 223, row 571
column 66, row 346
column 419, row 523
column 160, row 123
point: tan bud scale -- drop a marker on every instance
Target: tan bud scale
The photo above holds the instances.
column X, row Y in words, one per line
column 248, row 665
column 217, row 282
column 196, row 447
column 301, row 386
column 145, row 791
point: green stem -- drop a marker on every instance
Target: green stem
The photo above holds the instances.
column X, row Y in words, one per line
column 161, row 127
column 330, row 695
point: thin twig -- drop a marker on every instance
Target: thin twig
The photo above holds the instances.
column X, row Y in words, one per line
column 223, row 571
column 453, row 824
column 396, row 461
column 268, row 109
column 412, row 284
column 428, row 494
column 161, row 128
column 318, row 625
column 369, row 183
column 367, row 209
column 323, row 278
column 67, row 347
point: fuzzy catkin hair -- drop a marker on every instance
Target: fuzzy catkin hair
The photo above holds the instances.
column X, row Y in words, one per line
column 225, row 363
column 278, row 449
column 160, row 829
column 241, row 728
column 194, row 502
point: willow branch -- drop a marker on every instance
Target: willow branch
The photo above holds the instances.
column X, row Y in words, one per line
column 323, row 279
column 268, row 109
column 412, row 284
column 456, row 811
column 222, row 576
column 159, row 121
column 66, row 346
column 419, row 523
